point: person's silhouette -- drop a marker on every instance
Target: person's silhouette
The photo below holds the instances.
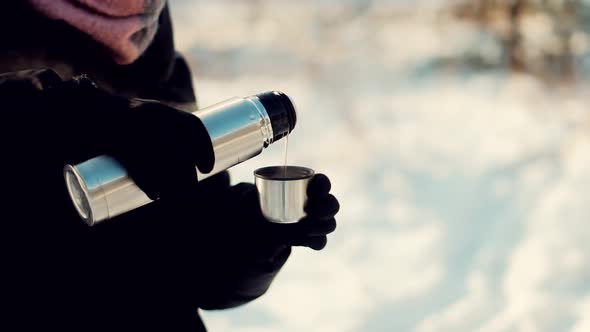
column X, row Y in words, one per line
column 66, row 87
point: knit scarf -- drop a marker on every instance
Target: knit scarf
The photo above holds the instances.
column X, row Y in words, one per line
column 124, row 27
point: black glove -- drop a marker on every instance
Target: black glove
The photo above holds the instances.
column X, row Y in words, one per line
column 72, row 121
column 236, row 216
column 229, row 252
column 47, row 251
column 47, row 123
column 310, row 231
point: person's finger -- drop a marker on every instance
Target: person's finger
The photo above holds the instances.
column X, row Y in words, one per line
column 180, row 180
column 196, row 141
column 314, row 242
column 318, row 186
column 316, row 227
column 322, row 208
column 163, row 152
column 140, row 169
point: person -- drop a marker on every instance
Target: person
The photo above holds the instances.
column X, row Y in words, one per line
column 81, row 78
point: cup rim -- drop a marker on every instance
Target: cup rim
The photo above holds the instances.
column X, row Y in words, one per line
column 305, row 171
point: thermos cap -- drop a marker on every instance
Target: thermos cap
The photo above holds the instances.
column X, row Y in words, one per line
column 281, row 112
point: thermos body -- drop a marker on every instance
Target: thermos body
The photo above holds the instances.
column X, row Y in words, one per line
column 239, row 129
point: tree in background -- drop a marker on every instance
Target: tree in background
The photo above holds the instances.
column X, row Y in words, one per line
column 541, row 37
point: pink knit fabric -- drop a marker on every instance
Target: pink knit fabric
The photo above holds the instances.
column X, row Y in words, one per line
column 125, row 27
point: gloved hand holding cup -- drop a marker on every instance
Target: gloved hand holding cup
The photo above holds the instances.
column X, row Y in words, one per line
column 297, row 195
column 283, row 192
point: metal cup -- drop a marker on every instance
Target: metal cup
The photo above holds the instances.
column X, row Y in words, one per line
column 282, row 192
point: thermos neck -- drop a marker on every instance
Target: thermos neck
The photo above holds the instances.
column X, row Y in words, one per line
column 281, row 113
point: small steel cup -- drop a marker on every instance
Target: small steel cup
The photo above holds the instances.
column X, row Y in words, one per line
column 282, row 192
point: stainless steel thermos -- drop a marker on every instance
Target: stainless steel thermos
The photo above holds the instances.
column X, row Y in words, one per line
column 239, row 129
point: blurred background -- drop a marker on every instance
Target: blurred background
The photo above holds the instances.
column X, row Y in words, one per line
column 457, row 138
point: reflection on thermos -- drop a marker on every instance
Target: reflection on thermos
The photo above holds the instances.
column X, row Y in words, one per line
column 239, row 129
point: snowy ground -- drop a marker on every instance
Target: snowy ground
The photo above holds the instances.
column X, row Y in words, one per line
column 465, row 195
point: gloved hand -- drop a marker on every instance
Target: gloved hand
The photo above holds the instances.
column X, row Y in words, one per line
column 49, row 252
column 236, row 224
column 312, row 230
column 72, row 121
column 229, row 252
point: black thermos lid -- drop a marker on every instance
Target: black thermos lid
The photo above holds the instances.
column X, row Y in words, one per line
column 281, row 112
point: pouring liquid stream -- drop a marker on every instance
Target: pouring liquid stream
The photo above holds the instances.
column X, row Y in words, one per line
column 285, row 156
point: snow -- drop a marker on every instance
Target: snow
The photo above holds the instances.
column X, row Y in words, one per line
column 465, row 194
